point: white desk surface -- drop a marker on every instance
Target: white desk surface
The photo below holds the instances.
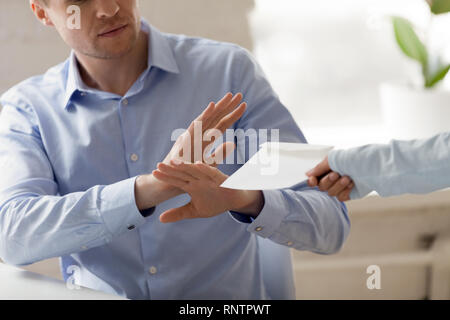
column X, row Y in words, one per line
column 19, row 284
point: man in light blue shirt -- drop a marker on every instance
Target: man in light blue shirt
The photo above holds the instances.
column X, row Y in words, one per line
column 78, row 145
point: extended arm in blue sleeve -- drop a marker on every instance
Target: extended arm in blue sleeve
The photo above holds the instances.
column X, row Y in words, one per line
column 417, row 166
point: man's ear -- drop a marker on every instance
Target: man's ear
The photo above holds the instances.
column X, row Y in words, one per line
column 40, row 11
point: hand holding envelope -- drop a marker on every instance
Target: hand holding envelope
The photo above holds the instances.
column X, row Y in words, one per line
column 277, row 166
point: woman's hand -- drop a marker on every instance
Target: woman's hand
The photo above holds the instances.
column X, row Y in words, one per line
column 327, row 180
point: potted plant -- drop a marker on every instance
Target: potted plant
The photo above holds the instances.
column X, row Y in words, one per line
column 418, row 111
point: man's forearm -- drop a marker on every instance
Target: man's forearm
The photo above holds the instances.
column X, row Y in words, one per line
column 37, row 226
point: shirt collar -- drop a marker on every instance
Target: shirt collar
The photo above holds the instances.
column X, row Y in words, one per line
column 160, row 55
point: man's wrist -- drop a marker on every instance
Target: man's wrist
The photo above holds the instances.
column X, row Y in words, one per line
column 150, row 192
column 254, row 205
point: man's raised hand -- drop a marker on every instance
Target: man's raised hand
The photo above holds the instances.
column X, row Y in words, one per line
column 202, row 182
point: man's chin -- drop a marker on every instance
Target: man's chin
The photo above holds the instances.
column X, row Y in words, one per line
column 109, row 53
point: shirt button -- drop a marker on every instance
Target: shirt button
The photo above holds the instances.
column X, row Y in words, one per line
column 259, row 229
column 83, row 247
column 125, row 102
column 131, row 227
column 83, row 94
column 134, row 157
column 152, row 270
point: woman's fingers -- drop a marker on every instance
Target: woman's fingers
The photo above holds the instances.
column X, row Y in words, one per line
column 345, row 195
column 313, row 182
column 334, row 184
column 328, row 181
column 339, row 186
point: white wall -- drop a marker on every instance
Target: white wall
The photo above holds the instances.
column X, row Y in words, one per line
column 326, row 59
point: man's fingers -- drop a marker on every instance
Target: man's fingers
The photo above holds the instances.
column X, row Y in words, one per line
column 208, row 121
column 170, row 180
column 328, row 181
column 225, row 100
column 339, row 186
column 190, row 169
column 231, row 118
column 177, row 214
column 171, row 171
column 206, row 114
column 203, row 118
column 227, row 107
column 213, row 173
column 223, row 109
column 213, row 111
column 220, row 154
column 321, row 169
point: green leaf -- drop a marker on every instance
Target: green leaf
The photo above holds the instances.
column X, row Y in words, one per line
column 440, row 6
column 408, row 41
column 438, row 76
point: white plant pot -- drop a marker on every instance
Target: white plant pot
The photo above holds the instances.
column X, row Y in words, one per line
column 414, row 113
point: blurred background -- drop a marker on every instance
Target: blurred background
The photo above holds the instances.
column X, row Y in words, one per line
column 327, row 60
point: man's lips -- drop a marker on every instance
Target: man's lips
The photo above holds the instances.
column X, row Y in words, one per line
column 114, row 31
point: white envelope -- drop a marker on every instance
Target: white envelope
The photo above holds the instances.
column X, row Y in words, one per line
column 277, row 166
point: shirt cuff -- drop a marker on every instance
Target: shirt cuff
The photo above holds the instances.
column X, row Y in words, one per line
column 333, row 159
column 270, row 217
column 118, row 207
column 336, row 161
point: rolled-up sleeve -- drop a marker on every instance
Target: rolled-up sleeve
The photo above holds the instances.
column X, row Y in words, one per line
column 300, row 217
column 36, row 223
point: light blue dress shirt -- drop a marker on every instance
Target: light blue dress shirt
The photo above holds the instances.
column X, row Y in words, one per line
column 69, row 157
column 416, row 166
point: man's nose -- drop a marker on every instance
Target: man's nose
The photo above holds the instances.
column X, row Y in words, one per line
column 107, row 8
